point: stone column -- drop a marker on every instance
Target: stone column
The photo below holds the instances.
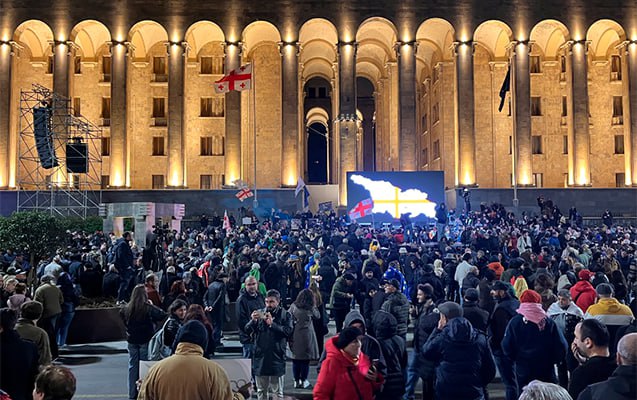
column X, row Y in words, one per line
column 578, row 114
column 6, row 59
column 406, row 54
column 62, row 72
column 346, row 119
column 521, row 108
column 176, row 104
column 232, row 169
column 629, row 78
column 464, row 115
column 290, row 113
column 118, row 173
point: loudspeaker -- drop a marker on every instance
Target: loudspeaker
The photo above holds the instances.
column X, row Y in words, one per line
column 77, row 158
column 42, row 134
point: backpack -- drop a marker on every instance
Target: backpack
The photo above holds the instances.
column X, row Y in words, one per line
column 157, row 350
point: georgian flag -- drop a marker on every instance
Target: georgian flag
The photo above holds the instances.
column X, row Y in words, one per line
column 361, row 209
column 239, row 79
column 244, row 194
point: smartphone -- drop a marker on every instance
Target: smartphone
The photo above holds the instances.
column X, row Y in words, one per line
column 374, row 365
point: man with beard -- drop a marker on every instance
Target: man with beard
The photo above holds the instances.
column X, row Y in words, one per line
column 249, row 300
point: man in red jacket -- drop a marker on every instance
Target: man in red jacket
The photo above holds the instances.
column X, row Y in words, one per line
column 583, row 292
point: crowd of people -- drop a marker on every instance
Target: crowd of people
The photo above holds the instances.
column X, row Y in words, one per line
column 543, row 300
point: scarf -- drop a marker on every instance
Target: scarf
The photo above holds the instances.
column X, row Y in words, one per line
column 533, row 312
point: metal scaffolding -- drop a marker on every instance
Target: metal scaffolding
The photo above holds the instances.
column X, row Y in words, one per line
column 47, row 184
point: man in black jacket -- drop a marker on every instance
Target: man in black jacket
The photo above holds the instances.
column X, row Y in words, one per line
column 504, row 310
column 395, row 352
column 19, row 359
column 590, row 344
column 249, row 300
column 477, row 316
column 397, row 304
column 124, row 264
column 271, row 327
column 215, row 305
column 621, row 385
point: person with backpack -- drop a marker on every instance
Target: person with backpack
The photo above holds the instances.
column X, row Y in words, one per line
column 394, row 351
column 139, row 317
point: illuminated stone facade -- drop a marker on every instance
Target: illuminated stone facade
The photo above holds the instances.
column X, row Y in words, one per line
column 145, row 73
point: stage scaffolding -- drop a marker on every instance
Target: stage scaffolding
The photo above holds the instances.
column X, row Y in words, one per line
column 57, row 190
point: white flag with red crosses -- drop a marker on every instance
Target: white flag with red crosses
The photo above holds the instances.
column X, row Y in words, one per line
column 239, row 79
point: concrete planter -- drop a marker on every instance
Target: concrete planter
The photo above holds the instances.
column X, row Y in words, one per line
column 94, row 325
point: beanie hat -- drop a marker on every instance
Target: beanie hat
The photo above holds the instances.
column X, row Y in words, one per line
column 348, row 277
column 499, row 285
column 604, row 289
column 394, row 283
column 530, row 296
column 450, row 309
column 31, row 310
column 193, row 332
column 471, row 294
column 347, row 336
column 585, row 275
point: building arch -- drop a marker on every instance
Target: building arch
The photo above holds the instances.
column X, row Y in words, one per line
column 145, row 35
column 436, row 34
column 494, row 36
column 257, row 33
column 36, row 36
column 90, row 36
column 549, row 36
column 199, row 34
column 318, row 28
column 603, row 36
column 318, row 38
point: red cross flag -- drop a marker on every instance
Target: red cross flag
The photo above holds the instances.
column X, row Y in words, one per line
column 361, row 209
column 244, row 194
column 239, row 79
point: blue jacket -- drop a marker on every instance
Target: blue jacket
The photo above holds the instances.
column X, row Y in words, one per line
column 464, row 362
column 534, row 351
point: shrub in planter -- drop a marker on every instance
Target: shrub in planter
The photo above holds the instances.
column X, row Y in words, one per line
column 96, row 320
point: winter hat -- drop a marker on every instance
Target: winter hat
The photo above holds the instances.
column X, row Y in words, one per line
column 499, row 285
column 604, row 289
column 585, row 275
column 193, row 332
column 530, row 296
column 450, row 309
column 347, row 336
column 348, row 277
column 31, row 310
column 471, row 294
column 394, row 283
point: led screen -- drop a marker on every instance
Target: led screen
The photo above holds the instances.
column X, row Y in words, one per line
column 394, row 194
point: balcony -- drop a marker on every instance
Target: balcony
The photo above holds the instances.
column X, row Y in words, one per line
column 618, row 120
column 160, row 121
column 105, row 121
column 160, row 78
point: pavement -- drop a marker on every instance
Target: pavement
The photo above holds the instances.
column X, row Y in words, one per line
column 101, row 369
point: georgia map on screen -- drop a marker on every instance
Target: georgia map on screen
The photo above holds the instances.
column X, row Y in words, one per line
column 393, row 200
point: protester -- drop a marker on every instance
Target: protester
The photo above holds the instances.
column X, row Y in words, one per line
column 30, row 312
column 51, row 298
column 249, row 300
column 533, row 342
column 394, row 351
column 123, row 261
column 176, row 314
column 397, row 305
column 347, row 373
column 419, row 367
column 18, row 359
column 215, row 304
column 55, row 382
column 538, row 390
column 196, row 313
column 609, row 311
column 303, row 344
column 341, row 299
column 566, row 315
column 583, row 292
column 478, row 317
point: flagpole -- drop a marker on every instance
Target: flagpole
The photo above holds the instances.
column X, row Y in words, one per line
column 255, row 203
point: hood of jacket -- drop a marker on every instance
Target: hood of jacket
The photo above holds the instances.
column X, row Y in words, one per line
column 385, row 325
column 608, row 306
column 353, row 316
column 459, row 330
column 583, row 286
column 555, row 309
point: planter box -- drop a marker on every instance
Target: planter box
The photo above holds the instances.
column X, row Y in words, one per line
column 94, row 325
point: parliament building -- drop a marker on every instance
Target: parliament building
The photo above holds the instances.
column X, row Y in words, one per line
column 494, row 93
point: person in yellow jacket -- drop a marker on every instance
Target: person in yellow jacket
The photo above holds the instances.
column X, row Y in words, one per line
column 609, row 311
column 187, row 374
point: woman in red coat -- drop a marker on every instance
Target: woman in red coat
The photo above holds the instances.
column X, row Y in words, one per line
column 583, row 293
column 346, row 373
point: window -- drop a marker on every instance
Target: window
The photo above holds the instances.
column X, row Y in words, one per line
column 77, row 107
column 158, row 146
column 618, row 111
column 106, row 146
column 159, row 107
column 436, row 150
column 77, row 65
column 311, row 93
column 206, row 66
column 105, row 181
column 425, row 156
column 536, row 105
column 159, row 69
column 49, row 65
column 211, row 146
column 435, row 113
column 564, row 106
column 536, row 144
column 205, row 182
column 205, row 108
column 535, row 65
column 538, row 179
column 510, row 144
column 106, row 111
column 425, row 128
column 619, row 144
column 158, row 182
column 322, row 93
column 615, row 68
column 620, row 179
column 565, row 144
column 106, row 68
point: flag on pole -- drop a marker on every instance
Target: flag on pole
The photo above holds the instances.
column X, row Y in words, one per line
column 239, row 79
column 226, row 221
column 306, row 196
column 506, row 86
column 361, row 209
column 300, row 185
column 244, row 194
